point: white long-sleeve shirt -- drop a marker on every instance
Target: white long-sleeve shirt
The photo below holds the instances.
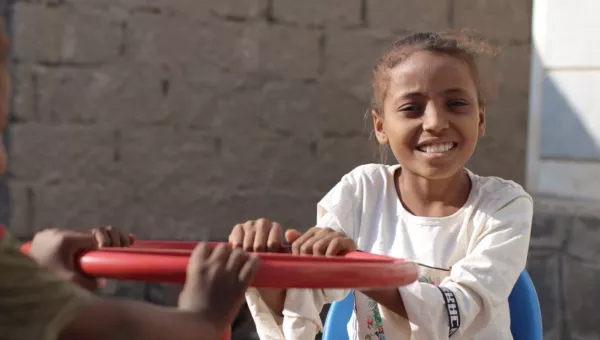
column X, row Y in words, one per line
column 468, row 262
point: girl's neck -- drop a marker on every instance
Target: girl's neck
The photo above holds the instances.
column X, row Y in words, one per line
column 432, row 198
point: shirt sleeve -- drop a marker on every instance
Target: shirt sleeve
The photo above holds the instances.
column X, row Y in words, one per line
column 466, row 300
column 34, row 303
column 339, row 209
column 301, row 313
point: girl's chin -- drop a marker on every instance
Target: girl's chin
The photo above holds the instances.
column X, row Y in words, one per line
column 435, row 171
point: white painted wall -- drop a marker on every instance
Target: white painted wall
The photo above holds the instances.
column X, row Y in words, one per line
column 563, row 157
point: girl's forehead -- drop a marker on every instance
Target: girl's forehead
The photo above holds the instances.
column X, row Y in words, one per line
column 426, row 71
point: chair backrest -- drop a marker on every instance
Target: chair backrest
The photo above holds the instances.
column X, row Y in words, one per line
column 337, row 319
column 525, row 313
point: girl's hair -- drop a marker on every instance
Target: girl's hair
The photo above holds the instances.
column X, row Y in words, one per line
column 460, row 45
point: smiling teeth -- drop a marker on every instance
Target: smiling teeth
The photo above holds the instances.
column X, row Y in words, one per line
column 437, row 148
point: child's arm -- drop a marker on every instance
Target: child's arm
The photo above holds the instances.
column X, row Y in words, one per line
column 103, row 319
column 464, row 302
column 37, row 304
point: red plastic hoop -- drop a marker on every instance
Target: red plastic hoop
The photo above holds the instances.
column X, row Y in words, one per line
column 166, row 262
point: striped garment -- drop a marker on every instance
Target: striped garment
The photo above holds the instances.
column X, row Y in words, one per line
column 34, row 304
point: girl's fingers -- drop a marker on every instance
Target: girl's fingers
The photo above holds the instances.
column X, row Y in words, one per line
column 321, row 246
column 249, row 235
column 300, row 241
column 291, row 235
column 275, row 238
column 340, row 246
column 262, row 228
column 236, row 238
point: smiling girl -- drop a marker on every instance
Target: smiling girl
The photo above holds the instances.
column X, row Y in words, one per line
column 468, row 234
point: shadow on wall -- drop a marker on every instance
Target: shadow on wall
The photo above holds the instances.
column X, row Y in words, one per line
column 565, row 106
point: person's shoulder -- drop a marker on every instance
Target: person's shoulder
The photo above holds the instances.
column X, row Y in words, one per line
column 495, row 192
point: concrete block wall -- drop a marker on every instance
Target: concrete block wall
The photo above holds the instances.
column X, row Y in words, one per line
column 168, row 117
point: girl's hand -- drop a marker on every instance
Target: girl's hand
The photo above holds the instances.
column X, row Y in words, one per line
column 261, row 235
column 322, row 241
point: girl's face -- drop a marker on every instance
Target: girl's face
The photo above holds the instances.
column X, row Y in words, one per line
column 431, row 118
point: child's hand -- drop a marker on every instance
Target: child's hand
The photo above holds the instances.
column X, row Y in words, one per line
column 260, row 235
column 322, row 241
column 216, row 282
column 110, row 237
column 55, row 250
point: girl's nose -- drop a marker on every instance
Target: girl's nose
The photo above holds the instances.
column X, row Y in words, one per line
column 434, row 119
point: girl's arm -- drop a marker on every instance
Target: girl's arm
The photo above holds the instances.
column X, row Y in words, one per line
column 390, row 298
column 299, row 317
column 465, row 301
column 295, row 313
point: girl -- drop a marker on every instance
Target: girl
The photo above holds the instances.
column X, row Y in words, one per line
column 468, row 234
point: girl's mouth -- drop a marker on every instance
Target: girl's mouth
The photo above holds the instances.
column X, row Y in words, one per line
column 437, row 148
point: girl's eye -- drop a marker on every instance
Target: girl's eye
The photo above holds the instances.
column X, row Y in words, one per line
column 457, row 103
column 408, row 108
column 411, row 110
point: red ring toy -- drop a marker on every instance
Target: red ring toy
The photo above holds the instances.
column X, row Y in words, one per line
column 166, row 262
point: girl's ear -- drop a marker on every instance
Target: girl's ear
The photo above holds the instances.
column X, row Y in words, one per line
column 481, row 127
column 378, row 128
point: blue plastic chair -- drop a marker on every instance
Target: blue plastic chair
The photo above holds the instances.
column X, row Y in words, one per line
column 525, row 313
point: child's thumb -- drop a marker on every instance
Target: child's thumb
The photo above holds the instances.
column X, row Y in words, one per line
column 292, row 235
